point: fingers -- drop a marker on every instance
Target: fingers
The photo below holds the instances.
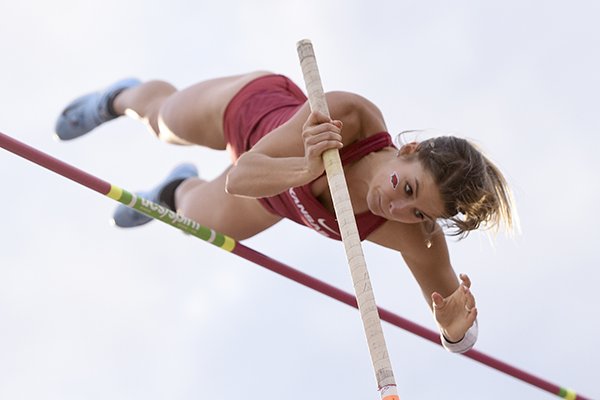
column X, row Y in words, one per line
column 312, row 137
column 437, row 300
column 320, row 133
column 465, row 280
column 316, row 118
column 465, row 286
column 469, row 298
column 472, row 315
column 331, row 127
column 315, row 151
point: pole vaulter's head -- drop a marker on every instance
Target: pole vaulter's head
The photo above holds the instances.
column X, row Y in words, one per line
column 474, row 190
column 446, row 179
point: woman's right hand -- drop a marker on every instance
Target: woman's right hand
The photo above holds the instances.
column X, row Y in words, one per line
column 320, row 133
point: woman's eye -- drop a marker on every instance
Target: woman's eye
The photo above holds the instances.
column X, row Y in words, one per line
column 408, row 190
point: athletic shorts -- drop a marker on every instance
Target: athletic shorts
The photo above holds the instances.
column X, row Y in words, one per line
column 258, row 108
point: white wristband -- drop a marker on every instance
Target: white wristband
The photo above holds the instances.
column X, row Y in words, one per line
column 465, row 344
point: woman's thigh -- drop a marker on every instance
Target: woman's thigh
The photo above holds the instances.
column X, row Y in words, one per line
column 195, row 114
column 207, row 203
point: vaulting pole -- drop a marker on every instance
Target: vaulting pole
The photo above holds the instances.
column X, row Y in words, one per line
column 226, row 243
column 338, row 187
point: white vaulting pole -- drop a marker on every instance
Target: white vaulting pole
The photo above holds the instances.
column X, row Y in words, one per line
column 347, row 223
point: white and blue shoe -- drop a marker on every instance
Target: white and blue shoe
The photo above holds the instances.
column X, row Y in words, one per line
column 125, row 217
column 91, row 110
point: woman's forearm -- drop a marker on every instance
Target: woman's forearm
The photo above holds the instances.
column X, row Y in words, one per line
column 258, row 175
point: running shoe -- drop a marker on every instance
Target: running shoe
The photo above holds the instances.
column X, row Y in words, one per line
column 125, row 217
column 91, row 110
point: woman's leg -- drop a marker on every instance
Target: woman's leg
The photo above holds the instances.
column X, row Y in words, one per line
column 189, row 116
column 210, row 205
column 194, row 116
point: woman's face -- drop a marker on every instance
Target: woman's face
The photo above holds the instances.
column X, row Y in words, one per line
column 404, row 191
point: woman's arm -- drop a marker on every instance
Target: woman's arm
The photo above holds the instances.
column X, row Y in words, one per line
column 452, row 303
column 289, row 156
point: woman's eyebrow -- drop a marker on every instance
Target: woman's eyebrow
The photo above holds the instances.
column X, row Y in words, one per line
column 416, row 196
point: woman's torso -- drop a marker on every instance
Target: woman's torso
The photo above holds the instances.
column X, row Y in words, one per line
column 310, row 204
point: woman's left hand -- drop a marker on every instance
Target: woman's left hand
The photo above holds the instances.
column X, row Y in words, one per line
column 456, row 313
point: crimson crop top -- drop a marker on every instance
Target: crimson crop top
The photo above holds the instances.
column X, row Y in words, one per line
column 299, row 205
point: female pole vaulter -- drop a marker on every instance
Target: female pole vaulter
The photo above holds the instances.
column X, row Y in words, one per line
column 400, row 196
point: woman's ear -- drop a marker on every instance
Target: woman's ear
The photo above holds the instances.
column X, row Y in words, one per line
column 408, row 148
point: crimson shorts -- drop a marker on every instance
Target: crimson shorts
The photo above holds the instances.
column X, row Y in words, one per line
column 259, row 107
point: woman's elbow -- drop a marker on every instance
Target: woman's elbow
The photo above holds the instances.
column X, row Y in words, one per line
column 232, row 182
column 237, row 182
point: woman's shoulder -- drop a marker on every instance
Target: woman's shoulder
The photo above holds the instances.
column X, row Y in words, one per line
column 361, row 117
column 344, row 102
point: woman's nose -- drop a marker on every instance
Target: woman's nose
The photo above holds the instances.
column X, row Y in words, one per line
column 398, row 208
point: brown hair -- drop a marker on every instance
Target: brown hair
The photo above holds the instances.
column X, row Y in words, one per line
column 474, row 191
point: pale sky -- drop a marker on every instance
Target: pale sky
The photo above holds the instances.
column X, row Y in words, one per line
column 88, row 311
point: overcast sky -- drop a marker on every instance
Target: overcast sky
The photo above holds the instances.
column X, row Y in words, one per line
column 88, row 311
